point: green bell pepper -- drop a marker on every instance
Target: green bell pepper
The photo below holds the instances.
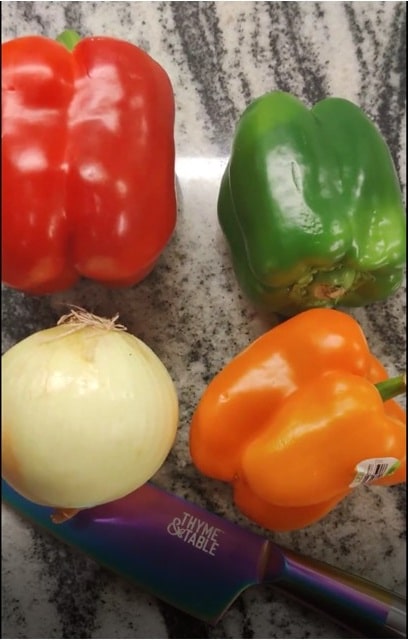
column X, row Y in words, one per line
column 311, row 207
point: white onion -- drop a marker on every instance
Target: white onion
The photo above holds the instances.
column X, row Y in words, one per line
column 89, row 413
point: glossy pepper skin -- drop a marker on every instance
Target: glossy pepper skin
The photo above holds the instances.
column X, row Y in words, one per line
column 311, row 208
column 87, row 163
column 287, row 420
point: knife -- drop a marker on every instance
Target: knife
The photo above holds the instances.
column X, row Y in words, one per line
column 199, row 563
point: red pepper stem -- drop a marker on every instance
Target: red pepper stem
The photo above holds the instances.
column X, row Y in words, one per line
column 392, row 387
column 68, row 39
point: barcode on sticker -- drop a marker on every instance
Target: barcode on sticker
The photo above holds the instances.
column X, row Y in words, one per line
column 372, row 469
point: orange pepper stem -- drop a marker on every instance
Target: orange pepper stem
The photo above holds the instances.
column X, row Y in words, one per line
column 68, row 39
column 392, row 387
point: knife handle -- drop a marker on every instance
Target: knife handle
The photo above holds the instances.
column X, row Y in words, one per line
column 357, row 604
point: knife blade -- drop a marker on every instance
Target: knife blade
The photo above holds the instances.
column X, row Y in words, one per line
column 200, row 563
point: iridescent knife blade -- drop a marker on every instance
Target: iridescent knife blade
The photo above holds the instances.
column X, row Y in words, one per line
column 199, row 562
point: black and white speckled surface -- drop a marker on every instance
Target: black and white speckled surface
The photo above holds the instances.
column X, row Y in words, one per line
column 189, row 310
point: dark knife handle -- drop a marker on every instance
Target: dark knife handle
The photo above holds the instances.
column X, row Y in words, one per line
column 358, row 605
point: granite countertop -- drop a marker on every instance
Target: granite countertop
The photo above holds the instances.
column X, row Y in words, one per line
column 219, row 56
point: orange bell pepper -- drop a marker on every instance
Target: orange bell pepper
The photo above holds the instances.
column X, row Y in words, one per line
column 291, row 417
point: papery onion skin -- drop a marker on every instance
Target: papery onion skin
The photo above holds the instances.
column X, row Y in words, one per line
column 88, row 415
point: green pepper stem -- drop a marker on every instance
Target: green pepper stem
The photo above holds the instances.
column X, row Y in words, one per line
column 69, row 39
column 391, row 387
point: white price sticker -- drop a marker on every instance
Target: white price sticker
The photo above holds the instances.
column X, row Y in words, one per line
column 372, row 469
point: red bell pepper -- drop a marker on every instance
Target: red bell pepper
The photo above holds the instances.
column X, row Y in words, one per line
column 88, row 163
